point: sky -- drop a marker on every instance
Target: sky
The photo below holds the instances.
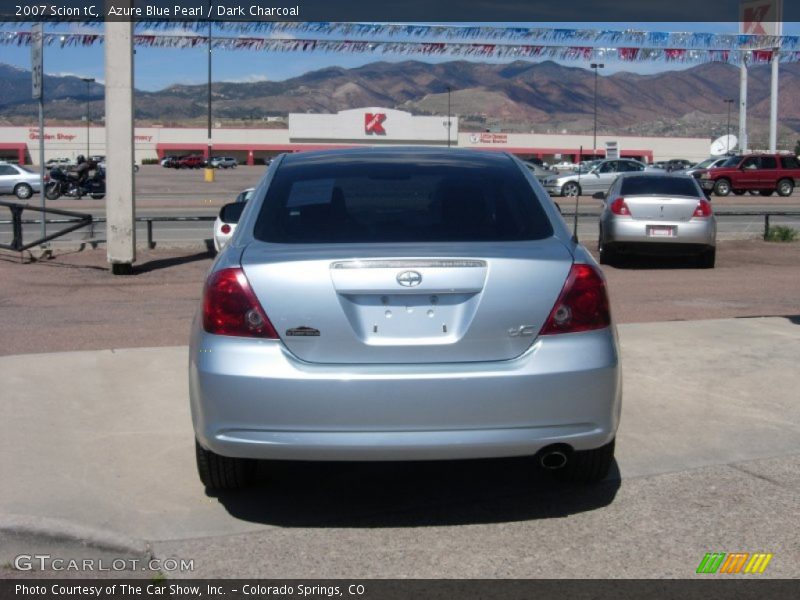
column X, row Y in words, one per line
column 157, row 68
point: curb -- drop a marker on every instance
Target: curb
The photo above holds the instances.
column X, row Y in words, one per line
column 48, row 530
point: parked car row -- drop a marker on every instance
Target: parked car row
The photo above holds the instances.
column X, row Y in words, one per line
column 196, row 161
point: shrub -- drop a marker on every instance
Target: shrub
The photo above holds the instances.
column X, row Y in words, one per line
column 781, row 233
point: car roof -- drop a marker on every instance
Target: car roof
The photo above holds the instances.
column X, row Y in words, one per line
column 672, row 174
column 408, row 154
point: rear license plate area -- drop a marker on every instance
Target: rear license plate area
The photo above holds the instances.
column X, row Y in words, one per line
column 662, row 231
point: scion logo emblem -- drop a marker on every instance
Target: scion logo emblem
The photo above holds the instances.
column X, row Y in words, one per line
column 373, row 123
column 409, row 278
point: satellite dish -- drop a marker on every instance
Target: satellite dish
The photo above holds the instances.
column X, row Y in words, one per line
column 721, row 146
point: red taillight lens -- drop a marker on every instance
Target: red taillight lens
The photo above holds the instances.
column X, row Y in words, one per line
column 582, row 305
column 226, row 229
column 231, row 308
column 618, row 207
column 703, row 208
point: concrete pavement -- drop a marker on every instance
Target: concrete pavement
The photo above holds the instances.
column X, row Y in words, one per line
column 708, row 454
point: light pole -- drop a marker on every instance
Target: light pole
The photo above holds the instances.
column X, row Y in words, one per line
column 448, row 116
column 89, row 81
column 595, row 66
column 729, row 102
column 209, row 172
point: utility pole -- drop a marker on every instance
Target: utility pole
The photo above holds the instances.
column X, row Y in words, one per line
column 743, row 144
column 37, row 81
column 209, row 172
column 595, row 66
column 120, row 207
column 729, row 102
column 449, row 122
column 89, row 81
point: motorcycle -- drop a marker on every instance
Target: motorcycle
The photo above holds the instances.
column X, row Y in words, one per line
column 62, row 184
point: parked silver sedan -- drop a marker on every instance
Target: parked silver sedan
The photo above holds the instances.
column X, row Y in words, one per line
column 598, row 178
column 403, row 304
column 651, row 213
column 18, row 180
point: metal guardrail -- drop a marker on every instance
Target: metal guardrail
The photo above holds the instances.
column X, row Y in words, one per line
column 150, row 220
column 77, row 221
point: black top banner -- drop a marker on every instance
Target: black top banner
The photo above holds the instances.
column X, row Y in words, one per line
column 406, row 11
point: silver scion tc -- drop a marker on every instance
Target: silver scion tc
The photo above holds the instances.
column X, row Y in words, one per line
column 403, row 304
column 657, row 214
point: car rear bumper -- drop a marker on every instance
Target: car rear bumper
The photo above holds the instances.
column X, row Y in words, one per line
column 697, row 232
column 252, row 399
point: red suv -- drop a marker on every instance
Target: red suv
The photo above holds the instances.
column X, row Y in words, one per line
column 190, row 162
column 765, row 173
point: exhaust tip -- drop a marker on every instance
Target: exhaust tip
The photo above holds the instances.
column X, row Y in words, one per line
column 553, row 459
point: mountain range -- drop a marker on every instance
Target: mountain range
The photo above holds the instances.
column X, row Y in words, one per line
column 519, row 96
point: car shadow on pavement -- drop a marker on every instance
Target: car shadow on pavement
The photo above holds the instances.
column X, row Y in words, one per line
column 174, row 261
column 411, row 494
column 636, row 262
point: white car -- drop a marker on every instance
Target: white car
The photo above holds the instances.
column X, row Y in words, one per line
column 59, row 162
column 565, row 165
column 228, row 217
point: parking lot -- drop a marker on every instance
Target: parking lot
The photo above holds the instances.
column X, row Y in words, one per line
column 97, row 437
column 164, row 193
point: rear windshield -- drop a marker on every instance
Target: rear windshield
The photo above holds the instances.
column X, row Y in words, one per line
column 662, row 186
column 355, row 198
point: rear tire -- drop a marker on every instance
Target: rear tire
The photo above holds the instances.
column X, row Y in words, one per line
column 722, row 187
column 588, row 466
column 785, row 187
column 607, row 256
column 707, row 259
column 222, row 472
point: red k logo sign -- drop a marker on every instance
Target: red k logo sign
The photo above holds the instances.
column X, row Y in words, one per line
column 374, row 123
column 754, row 17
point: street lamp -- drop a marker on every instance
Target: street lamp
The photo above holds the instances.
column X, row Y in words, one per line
column 89, row 81
column 595, row 66
column 729, row 102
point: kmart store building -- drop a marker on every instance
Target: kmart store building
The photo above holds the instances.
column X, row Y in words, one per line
column 356, row 127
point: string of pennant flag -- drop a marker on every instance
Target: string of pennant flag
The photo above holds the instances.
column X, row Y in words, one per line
column 504, row 50
column 530, row 35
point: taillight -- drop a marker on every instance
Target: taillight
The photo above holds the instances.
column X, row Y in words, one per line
column 618, row 207
column 582, row 304
column 703, row 208
column 231, row 308
column 226, row 229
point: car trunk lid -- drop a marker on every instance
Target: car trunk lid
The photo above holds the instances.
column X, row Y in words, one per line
column 661, row 208
column 408, row 303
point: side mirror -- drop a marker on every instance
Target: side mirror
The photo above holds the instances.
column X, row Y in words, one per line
column 599, row 195
column 231, row 213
